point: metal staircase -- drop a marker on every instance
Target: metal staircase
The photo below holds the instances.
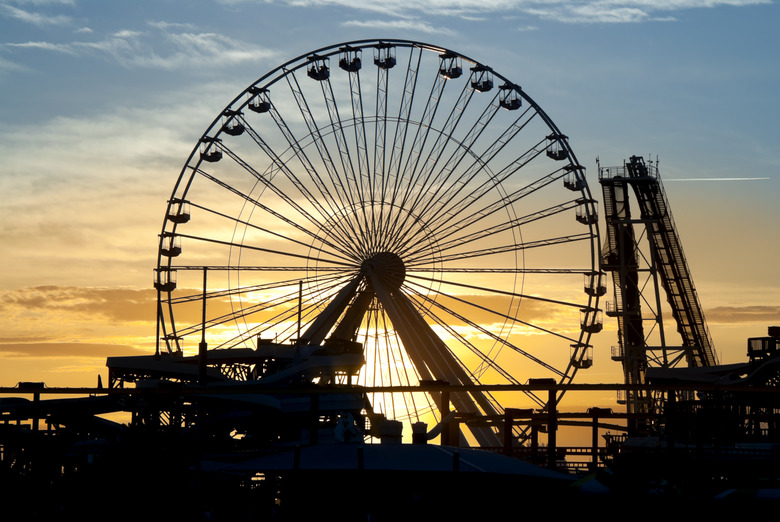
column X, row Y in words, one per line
column 671, row 264
column 640, row 271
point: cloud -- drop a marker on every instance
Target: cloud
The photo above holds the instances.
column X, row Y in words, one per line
column 136, row 49
column 35, row 349
column 39, row 19
column 126, row 33
column 567, row 11
column 164, row 26
column 44, row 2
column 744, row 314
column 115, row 304
column 7, row 65
column 111, row 305
column 623, row 11
column 172, row 46
column 591, row 13
column 400, row 25
column 45, row 46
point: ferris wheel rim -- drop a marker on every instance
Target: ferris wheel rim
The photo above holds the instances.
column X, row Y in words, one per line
column 240, row 102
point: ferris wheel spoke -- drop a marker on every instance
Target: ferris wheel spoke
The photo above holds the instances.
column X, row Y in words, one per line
column 286, row 220
column 314, row 130
column 412, row 160
column 438, row 320
column 338, row 197
column 480, row 161
column 270, row 304
column 499, row 315
column 443, row 180
column 266, row 250
column 333, row 207
column 288, row 316
column 285, row 197
column 457, row 218
column 347, row 164
column 431, row 269
column 498, row 229
column 503, row 249
column 340, row 254
column 427, row 165
column 354, row 180
column 403, row 123
column 379, row 174
column 240, row 290
column 361, row 134
column 426, row 178
column 367, row 181
column 497, row 291
column 262, row 268
column 402, row 127
column 455, row 203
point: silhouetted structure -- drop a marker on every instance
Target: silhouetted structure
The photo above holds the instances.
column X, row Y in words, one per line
column 641, row 274
column 282, row 427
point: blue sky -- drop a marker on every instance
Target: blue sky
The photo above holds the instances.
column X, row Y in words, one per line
column 102, row 102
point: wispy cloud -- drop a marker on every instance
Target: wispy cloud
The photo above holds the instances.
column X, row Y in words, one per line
column 116, row 304
column 591, row 13
column 743, row 314
column 567, row 11
column 399, row 25
column 175, row 50
column 35, row 18
column 71, row 321
column 43, row 2
column 68, row 350
column 7, row 65
column 169, row 50
column 164, row 26
column 46, row 46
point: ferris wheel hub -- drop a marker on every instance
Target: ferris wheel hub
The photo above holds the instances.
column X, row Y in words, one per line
column 389, row 267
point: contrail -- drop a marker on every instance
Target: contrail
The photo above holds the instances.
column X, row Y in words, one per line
column 716, row 179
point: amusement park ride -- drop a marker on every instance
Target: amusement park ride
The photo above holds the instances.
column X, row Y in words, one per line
column 353, row 247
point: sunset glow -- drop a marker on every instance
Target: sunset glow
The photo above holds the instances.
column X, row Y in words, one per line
column 103, row 105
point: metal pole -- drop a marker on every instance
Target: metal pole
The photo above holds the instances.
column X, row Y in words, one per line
column 300, row 305
column 595, row 441
column 203, row 347
column 159, row 318
column 445, row 410
column 552, row 429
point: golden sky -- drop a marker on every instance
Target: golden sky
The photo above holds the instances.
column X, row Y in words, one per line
column 87, row 167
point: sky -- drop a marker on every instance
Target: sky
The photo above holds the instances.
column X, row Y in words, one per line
column 102, row 102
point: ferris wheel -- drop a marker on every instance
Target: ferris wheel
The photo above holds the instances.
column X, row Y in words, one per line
column 394, row 194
